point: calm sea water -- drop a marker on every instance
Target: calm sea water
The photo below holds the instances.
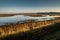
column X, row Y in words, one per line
column 16, row 18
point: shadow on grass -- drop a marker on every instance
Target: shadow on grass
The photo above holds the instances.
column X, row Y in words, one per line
column 37, row 34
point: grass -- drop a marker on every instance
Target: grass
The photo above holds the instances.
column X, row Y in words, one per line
column 47, row 33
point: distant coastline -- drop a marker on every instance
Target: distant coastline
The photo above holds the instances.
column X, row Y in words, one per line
column 29, row 14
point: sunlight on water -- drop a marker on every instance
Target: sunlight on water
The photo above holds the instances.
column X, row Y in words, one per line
column 16, row 18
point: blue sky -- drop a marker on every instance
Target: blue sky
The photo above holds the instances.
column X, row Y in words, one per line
column 23, row 6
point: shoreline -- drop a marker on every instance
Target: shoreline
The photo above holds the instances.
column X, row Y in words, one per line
column 26, row 26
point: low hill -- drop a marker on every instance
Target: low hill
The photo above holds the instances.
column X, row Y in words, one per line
column 30, row 14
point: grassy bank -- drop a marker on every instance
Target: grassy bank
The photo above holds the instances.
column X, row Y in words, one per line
column 45, row 33
column 12, row 29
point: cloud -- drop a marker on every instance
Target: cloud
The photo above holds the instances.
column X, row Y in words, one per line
column 28, row 10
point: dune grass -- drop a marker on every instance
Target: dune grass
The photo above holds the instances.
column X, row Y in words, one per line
column 45, row 33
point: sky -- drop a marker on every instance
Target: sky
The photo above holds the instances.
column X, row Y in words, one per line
column 29, row 6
